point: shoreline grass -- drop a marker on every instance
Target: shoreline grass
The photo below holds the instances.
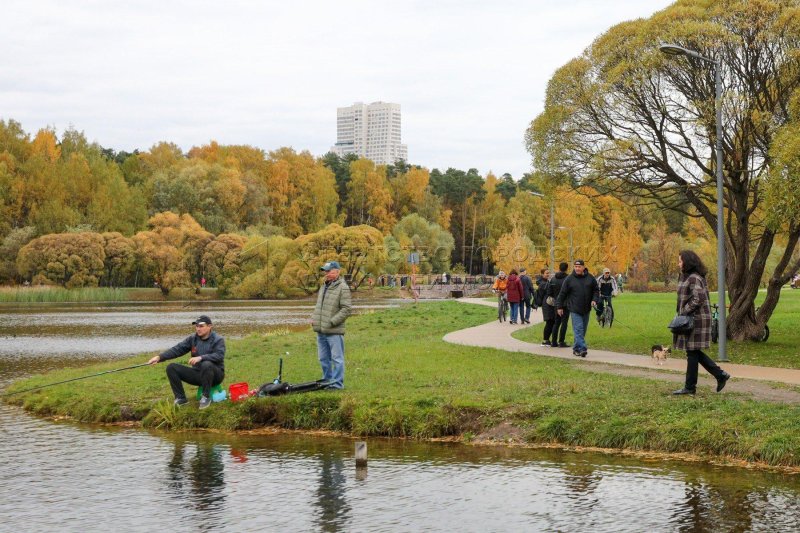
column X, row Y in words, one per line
column 640, row 321
column 404, row 381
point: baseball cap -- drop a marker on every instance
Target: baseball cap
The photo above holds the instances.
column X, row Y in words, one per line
column 330, row 265
column 580, row 262
column 606, row 271
column 202, row 319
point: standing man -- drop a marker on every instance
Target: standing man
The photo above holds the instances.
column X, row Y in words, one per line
column 578, row 295
column 206, row 364
column 332, row 309
column 559, row 321
column 527, row 294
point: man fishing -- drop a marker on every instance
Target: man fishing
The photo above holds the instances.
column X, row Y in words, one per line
column 206, row 364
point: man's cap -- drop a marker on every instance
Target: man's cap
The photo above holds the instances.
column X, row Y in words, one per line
column 330, row 265
column 521, row 270
column 580, row 262
column 204, row 319
column 606, row 271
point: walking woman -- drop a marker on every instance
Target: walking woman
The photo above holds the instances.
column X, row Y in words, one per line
column 514, row 292
column 693, row 300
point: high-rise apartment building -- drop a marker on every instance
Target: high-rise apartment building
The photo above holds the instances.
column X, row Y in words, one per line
column 371, row 131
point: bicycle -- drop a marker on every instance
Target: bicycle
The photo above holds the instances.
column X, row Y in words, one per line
column 715, row 327
column 606, row 316
column 502, row 307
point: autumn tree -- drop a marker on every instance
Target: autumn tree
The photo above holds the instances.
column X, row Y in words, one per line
column 358, row 249
column 68, row 259
column 120, row 254
column 221, row 260
column 172, row 249
column 641, row 125
column 369, row 200
column 414, row 234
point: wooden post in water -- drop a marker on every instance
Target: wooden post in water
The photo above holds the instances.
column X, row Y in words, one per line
column 361, row 453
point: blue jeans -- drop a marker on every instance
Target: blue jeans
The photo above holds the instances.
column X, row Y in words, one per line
column 580, row 323
column 514, row 311
column 330, row 349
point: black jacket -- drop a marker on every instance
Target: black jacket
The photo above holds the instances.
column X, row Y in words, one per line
column 545, row 285
column 527, row 287
column 556, row 283
column 578, row 292
column 212, row 349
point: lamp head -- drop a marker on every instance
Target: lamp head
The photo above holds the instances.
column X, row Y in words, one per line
column 673, row 49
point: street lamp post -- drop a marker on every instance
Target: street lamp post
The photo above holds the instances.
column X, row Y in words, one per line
column 570, row 241
column 552, row 230
column 675, row 50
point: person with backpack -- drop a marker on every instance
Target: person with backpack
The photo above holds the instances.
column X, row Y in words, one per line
column 548, row 311
column 560, row 322
column 579, row 294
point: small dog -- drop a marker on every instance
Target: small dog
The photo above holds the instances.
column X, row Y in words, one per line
column 660, row 353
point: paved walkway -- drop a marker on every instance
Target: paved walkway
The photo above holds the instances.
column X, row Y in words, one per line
column 498, row 335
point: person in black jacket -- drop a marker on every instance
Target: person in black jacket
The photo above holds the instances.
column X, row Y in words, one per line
column 527, row 294
column 578, row 296
column 206, row 368
column 560, row 322
column 548, row 311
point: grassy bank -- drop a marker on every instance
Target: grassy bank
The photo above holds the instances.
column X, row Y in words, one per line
column 404, row 381
column 640, row 321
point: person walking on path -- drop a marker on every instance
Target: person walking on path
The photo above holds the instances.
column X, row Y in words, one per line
column 560, row 321
column 548, row 311
column 527, row 294
column 693, row 301
column 207, row 367
column 579, row 294
column 514, row 293
column 332, row 309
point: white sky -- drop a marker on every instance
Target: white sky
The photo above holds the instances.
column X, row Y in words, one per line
column 470, row 75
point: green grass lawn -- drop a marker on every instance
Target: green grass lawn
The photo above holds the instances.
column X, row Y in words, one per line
column 403, row 381
column 640, row 321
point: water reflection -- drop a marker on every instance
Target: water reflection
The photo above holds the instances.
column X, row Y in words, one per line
column 196, row 479
column 331, row 500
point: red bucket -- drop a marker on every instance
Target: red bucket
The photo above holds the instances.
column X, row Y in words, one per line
column 238, row 392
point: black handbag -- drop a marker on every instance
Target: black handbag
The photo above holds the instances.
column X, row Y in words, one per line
column 682, row 324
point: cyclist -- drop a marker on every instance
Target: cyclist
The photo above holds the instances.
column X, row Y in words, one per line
column 608, row 289
column 499, row 287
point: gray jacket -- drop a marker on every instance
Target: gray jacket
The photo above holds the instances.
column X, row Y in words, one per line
column 212, row 349
column 332, row 309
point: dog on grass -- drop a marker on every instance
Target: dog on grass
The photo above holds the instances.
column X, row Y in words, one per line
column 660, row 353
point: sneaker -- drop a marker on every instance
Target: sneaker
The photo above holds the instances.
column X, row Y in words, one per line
column 584, row 352
column 180, row 401
column 722, row 380
column 546, row 343
column 563, row 345
column 576, row 353
column 205, row 402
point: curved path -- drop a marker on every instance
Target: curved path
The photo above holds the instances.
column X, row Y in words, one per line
column 498, row 335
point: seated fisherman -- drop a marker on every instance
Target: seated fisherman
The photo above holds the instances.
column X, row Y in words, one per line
column 207, row 368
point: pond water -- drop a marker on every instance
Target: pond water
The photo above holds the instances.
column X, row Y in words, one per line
column 69, row 477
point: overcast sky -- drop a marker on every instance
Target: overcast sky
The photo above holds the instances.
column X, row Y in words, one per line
column 469, row 75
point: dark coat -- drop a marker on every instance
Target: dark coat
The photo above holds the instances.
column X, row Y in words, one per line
column 527, row 286
column 578, row 293
column 693, row 300
column 548, row 311
column 514, row 290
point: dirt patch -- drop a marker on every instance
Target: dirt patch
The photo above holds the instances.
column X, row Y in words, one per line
column 757, row 390
column 505, row 433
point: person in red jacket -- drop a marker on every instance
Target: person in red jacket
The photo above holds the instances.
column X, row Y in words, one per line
column 514, row 293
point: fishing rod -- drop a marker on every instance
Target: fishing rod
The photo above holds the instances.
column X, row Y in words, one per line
column 76, row 379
